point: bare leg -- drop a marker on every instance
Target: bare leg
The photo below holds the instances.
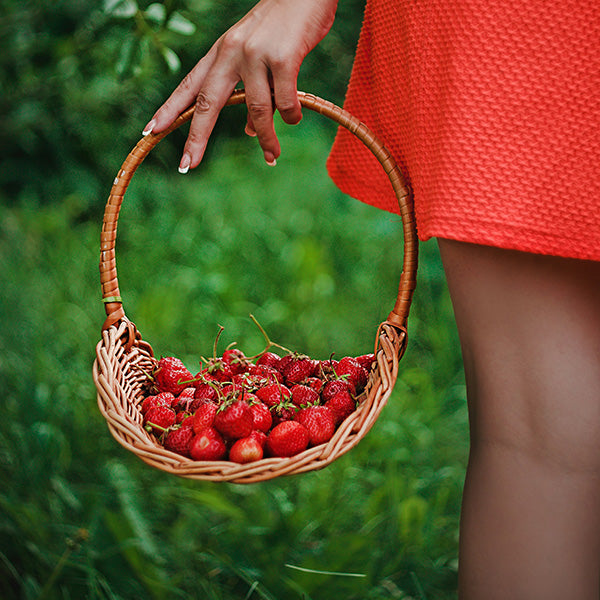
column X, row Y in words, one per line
column 530, row 333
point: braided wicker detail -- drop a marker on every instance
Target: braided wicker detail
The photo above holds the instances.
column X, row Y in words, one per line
column 124, row 359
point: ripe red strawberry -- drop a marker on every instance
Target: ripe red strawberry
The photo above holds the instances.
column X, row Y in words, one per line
column 260, row 437
column 204, row 393
column 208, row 444
column 316, row 383
column 149, row 403
column 320, row 423
column 286, row 360
column 303, row 396
column 243, row 381
column 331, row 388
column 179, row 440
column 171, row 375
column 327, row 368
column 234, row 420
column 182, row 417
column 204, row 376
column 159, row 419
column 269, row 359
column 184, row 400
column 261, row 416
column 342, row 405
column 204, row 416
column 236, row 360
column 273, row 394
column 287, row 439
column 366, row 361
column 348, row 368
column 299, row 370
column 220, row 370
column 266, row 374
column 166, row 398
column 246, row 450
column 284, row 411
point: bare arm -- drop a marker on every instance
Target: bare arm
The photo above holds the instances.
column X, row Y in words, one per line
column 264, row 50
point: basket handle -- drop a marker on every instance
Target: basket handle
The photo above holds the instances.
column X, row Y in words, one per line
column 111, row 297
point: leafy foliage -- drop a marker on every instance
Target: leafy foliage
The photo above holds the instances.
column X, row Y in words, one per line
column 80, row 516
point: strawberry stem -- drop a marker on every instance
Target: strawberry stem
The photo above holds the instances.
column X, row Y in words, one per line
column 221, row 329
column 270, row 344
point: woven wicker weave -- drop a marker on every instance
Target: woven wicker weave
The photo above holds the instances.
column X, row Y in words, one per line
column 122, row 356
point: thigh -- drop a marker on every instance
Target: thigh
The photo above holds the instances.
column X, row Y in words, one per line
column 530, row 332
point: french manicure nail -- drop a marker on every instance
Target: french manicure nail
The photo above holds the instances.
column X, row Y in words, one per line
column 148, row 129
column 184, row 165
column 272, row 163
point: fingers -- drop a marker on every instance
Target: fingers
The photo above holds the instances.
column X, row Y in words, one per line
column 259, row 102
column 182, row 97
column 286, row 92
column 208, row 104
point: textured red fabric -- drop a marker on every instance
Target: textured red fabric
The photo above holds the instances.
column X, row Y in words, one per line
column 492, row 109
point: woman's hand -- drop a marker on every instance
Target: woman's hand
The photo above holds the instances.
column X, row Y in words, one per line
column 264, row 50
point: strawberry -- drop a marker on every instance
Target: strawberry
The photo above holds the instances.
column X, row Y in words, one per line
column 166, row 398
column 266, row 373
column 234, row 420
column 208, row 445
column 273, row 394
column 184, row 400
column 205, row 392
column 316, row 383
column 331, row 388
column 171, row 375
column 246, row 450
column 204, row 376
column 260, row 437
column 348, row 368
column 342, row 405
column 159, row 419
column 285, row 361
column 183, row 418
column 150, row 402
column 236, row 360
column 303, row 396
column 261, row 416
column 179, row 440
column 204, row 416
column 327, row 367
column 299, row 370
column 220, row 370
column 320, row 423
column 284, row 411
column 366, row 361
column 269, row 359
column 287, row 439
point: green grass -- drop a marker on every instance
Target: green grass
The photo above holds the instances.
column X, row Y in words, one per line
column 320, row 271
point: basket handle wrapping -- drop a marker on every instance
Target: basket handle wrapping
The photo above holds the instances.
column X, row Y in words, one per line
column 108, row 271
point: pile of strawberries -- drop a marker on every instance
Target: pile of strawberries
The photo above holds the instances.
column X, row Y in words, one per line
column 243, row 409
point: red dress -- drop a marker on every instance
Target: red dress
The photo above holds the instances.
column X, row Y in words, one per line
column 492, row 109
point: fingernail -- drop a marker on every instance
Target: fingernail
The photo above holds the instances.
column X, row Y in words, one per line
column 272, row 163
column 270, row 159
column 249, row 131
column 149, row 127
column 184, row 165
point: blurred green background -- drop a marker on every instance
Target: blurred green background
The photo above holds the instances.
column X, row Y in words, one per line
column 80, row 517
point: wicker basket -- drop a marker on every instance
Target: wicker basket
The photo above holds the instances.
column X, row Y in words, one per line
column 122, row 356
